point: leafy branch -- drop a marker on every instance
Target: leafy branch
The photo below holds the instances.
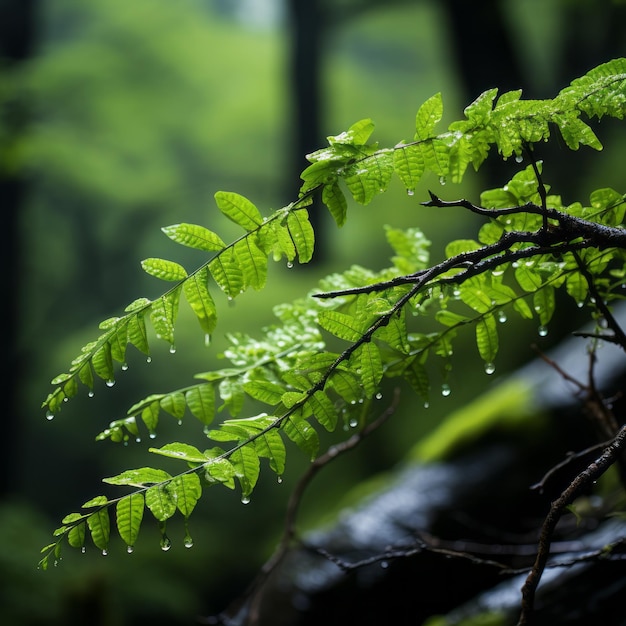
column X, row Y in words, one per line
column 324, row 360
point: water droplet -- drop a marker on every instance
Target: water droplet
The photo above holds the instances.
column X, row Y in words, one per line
column 542, row 330
column 379, row 396
column 49, row 415
column 353, row 423
column 384, row 564
column 410, row 192
column 172, row 349
column 279, row 480
column 245, row 500
column 91, row 393
column 124, row 367
column 426, row 405
column 152, row 435
column 188, row 541
column 137, row 439
column 110, row 382
column 83, row 549
column 148, row 359
column 166, row 544
column 66, row 399
column 105, row 552
column 501, row 317
column 207, row 340
column 580, row 304
column 490, row 368
column 445, row 390
column 130, row 549
column 519, row 158
column 180, row 422
column 289, row 264
column 442, row 180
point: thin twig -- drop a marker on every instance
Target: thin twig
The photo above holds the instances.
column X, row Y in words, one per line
column 589, row 475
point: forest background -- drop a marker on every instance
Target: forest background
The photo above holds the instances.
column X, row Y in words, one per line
column 118, row 118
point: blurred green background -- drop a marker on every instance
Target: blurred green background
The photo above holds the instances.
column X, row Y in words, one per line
column 117, row 118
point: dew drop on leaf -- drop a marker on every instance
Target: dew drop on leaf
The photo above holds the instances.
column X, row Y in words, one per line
column 152, row 435
column 353, row 423
column 83, row 549
column 207, row 340
column 279, row 480
column 124, row 367
column 130, row 549
column 149, row 359
column 105, row 552
column 490, row 368
column 180, row 422
column 110, row 382
column 379, row 396
column 245, row 500
column 49, row 415
column 442, row 180
column 410, row 192
column 188, row 541
column 519, row 158
column 137, row 439
column 502, row 317
column 384, row 564
column 289, row 264
column 166, row 544
column 542, row 330
column 91, row 393
column 172, row 349
column 445, row 390
column 426, row 405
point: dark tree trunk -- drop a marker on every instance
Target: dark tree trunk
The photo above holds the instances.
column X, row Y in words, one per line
column 17, row 34
column 306, row 26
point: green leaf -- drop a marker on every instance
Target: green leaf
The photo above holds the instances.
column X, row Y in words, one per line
column 409, row 165
column 226, row 272
column 137, row 333
column 102, row 362
column 371, row 368
column 181, row 451
column 544, row 303
column 174, row 404
column 245, row 460
column 335, row 201
column 163, row 314
column 129, row 513
column 139, row 477
column 165, row 270
column 185, row 491
column 487, row 338
column 341, row 325
column 428, row 115
column 76, row 535
column 201, row 402
column 197, row 294
column 264, row 390
column 302, row 434
column 194, row 236
column 269, row 445
column 252, row 262
column 366, row 179
column 324, row 410
column 160, row 502
column 100, row 528
column 302, row 234
column 238, row 209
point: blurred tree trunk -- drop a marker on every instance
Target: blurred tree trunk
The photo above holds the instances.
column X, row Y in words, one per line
column 306, row 26
column 17, row 35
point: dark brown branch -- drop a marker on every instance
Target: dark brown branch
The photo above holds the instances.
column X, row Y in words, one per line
column 582, row 480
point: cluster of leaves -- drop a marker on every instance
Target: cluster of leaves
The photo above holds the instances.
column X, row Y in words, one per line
column 323, row 361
